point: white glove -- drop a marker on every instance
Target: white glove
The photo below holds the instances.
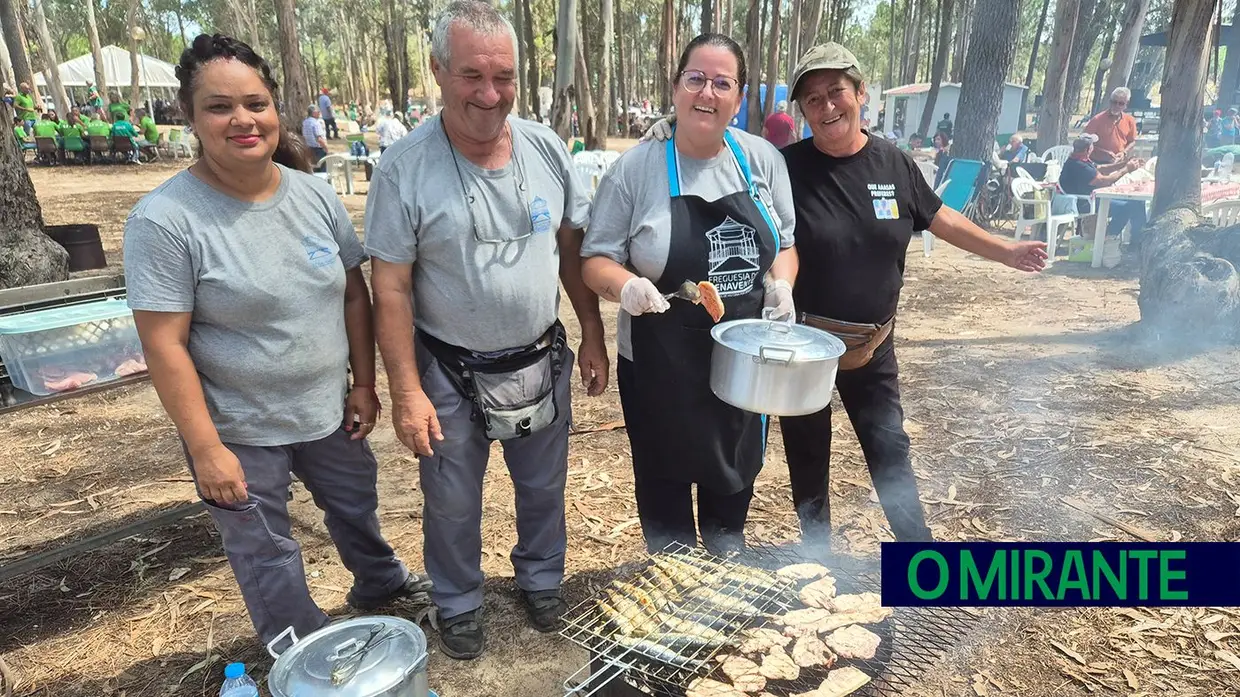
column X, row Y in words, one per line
column 661, row 130
column 639, row 296
column 779, row 299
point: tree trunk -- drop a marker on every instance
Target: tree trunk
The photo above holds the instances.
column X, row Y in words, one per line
column 96, row 50
column 794, row 40
column 531, row 52
column 811, row 19
column 940, row 65
column 1229, row 83
column 565, row 56
column 915, row 42
column 18, row 59
column 964, row 26
column 1178, row 172
column 708, row 16
column 623, row 77
column 1052, row 121
column 27, row 256
column 523, row 89
column 772, row 62
column 666, row 56
column 605, row 122
column 135, row 79
column 51, row 61
column 1033, row 62
column 992, row 47
column 1189, row 283
column 6, row 63
column 252, row 27
column 753, row 48
column 585, row 100
column 1100, row 75
column 1131, row 23
column 1082, row 45
column 296, row 94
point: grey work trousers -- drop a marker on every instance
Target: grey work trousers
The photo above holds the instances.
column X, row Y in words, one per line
column 452, row 491
column 341, row 475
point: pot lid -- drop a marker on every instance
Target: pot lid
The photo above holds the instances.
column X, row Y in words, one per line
column 359, row 657
column 753, row 336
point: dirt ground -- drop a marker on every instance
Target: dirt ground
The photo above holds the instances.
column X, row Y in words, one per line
column 1020, row 392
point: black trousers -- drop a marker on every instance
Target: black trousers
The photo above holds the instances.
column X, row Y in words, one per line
column 329, row 125
column 871, row 396
column 665, row 504
column 665, row 508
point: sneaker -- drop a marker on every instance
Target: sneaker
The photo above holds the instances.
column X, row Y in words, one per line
column 545, row 608
column 460, row 637
column 415, row 588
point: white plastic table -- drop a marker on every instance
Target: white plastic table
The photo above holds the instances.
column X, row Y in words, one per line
column 1143, row 191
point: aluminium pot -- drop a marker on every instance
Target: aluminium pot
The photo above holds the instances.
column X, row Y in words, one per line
column 775, row 368
column 374, row 656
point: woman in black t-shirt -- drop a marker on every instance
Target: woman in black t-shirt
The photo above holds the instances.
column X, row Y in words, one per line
column 858, row 201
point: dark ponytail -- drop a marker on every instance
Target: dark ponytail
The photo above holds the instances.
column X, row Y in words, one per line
column 290, row 151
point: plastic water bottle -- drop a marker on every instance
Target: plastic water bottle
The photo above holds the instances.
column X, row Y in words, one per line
column 237, row 683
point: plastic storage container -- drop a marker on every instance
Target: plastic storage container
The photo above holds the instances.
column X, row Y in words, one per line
column 64, row 348
column 237, row 683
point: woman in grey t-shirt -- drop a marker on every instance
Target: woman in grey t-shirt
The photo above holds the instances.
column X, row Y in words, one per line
column 244, row 276
column 711, row 204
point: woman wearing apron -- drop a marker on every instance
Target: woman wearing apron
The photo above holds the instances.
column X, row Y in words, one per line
column 711, row 204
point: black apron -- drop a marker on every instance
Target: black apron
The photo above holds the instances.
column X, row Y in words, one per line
column 678, row 428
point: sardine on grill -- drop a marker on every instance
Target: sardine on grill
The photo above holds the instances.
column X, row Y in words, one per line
column 658, row 652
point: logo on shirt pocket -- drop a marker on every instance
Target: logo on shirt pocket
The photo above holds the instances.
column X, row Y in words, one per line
column 540, row 215
column 318, row 254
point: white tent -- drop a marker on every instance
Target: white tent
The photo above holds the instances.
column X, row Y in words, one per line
column 152, row 72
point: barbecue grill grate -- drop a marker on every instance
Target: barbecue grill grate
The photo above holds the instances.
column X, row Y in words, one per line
column 590, row 626
column 913, row 639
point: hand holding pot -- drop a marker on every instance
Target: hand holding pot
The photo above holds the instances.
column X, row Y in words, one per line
column 777, row 303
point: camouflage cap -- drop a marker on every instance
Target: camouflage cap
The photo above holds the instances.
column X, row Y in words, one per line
column 828, row 56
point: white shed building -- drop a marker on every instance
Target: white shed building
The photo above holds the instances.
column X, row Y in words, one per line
column 903, row 106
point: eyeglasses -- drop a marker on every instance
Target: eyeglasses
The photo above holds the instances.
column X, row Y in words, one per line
column 470, row 199
column 696, row 81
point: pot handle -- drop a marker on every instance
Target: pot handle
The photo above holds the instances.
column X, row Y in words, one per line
column 768, row 314
column 780, row 356
column 286, row 634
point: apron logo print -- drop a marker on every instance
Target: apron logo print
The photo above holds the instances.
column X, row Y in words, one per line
column 734, row 258
column 540, row 215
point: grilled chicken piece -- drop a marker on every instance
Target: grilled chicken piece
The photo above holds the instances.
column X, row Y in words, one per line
column 819, row 593
column 777, row 665
column 854, row 602
column 841, row 682
column 744, row 674
column 763, row 639
column 803, row 572
column 853, row 642
column 809, row 651
column 705, row 687
column 804, row 622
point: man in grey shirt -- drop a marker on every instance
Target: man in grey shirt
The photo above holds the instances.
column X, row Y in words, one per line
column 469, row 219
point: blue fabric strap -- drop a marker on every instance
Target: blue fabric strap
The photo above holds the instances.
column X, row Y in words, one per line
column 673, row 173
column 753, row 189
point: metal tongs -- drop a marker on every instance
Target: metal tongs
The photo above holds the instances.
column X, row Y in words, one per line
column 348, row 656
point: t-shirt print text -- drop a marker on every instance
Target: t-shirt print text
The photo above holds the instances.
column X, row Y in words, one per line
column 884, row 200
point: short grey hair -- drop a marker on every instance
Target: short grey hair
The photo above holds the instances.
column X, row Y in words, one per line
column 782, row 106
column 473, row 14
column 1122, row 92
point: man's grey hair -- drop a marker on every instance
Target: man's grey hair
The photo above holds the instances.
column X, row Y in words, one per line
column 472, row 14
column 311, row 109
column 1122, row 92
column 782, row 106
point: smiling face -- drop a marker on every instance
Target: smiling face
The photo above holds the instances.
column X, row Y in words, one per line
column 479, row 83
column 707, row 112
column 234, row 115
column 831, row 102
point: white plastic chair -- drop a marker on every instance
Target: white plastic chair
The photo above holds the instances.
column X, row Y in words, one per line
column 1224, row 213
column 1022, row 194
column 588, row 157
column 1053, row 169
column 1033, row 157
column 1059, row 153
column 927, row 237
column 1022, row 173
column 929, row 170
column 339, row 172
column 1222, row 170
column 609, row 158
column 1149, row 164
column 590, row 175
